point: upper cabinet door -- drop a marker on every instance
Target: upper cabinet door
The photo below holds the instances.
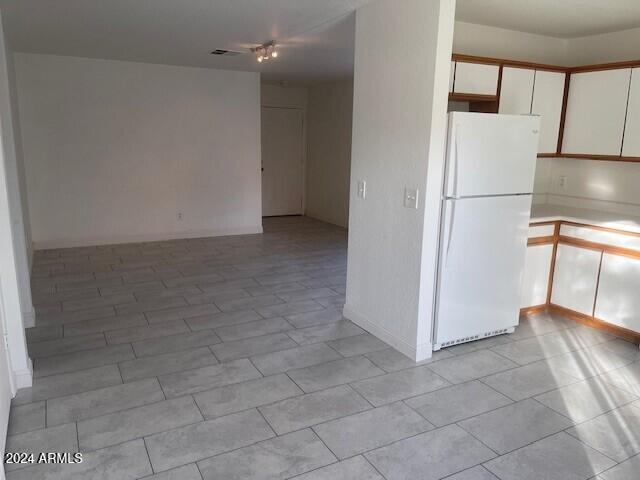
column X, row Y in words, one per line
column 476, row 78
column 516, row 90
column 548, row 93
column 596, row 111
column 452, row 76
column 631, row 147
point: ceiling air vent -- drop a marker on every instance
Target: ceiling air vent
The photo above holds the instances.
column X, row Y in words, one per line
column 227, row 53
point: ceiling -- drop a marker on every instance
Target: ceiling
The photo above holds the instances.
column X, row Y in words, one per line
column 315, row 37
column 556, row 18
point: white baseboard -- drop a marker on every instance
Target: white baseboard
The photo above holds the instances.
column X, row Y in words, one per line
column 152, row 237
column 29, row 318
column 24, row 378
column 417, row 353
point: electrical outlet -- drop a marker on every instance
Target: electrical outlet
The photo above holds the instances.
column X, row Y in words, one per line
column 180, row 216
column 562, row 182
column 411, row 198
column 362, row 189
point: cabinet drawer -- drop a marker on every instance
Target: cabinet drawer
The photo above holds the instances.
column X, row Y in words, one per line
column 618, row 302
column 613, row 239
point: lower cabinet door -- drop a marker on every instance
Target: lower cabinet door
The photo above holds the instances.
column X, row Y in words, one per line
column 536, row 275
column 575, row 278
column 618, row 300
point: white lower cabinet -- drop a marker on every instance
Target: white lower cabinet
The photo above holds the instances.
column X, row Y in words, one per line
column 536, row 275
column 575, row 278
column 618, row 300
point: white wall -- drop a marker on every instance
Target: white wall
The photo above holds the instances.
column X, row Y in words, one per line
column 402, row 61
column 114, row 151
column 328, row 169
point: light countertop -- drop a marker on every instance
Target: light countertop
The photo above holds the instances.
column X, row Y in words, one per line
column 549, row 213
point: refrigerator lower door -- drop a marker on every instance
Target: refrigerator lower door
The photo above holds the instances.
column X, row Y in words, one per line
column 481, row 267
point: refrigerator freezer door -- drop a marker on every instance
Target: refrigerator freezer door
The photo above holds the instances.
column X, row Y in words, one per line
column 482, row 256
column 489, row 154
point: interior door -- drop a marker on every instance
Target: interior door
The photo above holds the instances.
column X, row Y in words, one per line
column 482, row 259
column 5, row 380
column 282, row 143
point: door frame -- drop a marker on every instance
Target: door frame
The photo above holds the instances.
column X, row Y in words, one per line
column 303, row 110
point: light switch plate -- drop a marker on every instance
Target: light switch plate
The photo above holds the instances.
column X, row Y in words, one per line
column 562, row 182
column 362, row 189
column 411, row 198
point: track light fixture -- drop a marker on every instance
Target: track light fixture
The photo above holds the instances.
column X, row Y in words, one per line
column 265, row 51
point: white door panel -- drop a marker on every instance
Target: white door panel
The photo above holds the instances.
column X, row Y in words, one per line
column 618, row 301
column 282, row 141
column 489, row 154
column 476, row 78
column 548, row 95
column 575, row 278
column 516, row 90
column 536, row 275
column 484, row 242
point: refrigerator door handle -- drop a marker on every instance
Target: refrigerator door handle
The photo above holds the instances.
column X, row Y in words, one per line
column 455, row 161
column 450, row 232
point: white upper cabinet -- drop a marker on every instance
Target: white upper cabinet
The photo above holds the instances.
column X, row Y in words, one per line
column 575, row 279
column 631, row 147
column 596, row 111
column 516, row 90
column 548, row 93
column 452, row 76
column 618, row 302
column 476, row 78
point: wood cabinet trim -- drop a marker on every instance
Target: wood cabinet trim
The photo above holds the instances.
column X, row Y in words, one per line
column 472, row 97
column 595, row 323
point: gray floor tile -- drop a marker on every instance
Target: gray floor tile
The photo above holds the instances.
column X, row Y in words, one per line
column 308, row 294
column 137, row 334
column 515, row 425
column 102, row 401
column 118, row 299
column 293, row 358
column 205, row 378
column 61, row 438
column 615, row 434
column 322, row 333
column 430, row 456
column 253, row 346
column 527, row 381
column 68, row 384
column 337, row 372
column 314, row 317
column 558, row 457
column 357, row 345
column 253, row 329
column 40, row 334
column 104, row 324
column 223, row 319
column 627, row 470
column 452, row 404
column 537, row 325
column 260, row 290
column 587, row 363
column 186, row 472
column 27, row 417
column 167, row 363
column 242, row 396
column 281, row 278
column 336, row 302
column 71, row 362
column 281, row 457
column 66, row 345
column 150, row 304
column 475, row 473
column 247, row 303
column 626, row 378
column 72, row 317
column 391, row 360
column 471, row 366
column 356, row 468
column 206, row 439
column 375, row 428
column 622, row 347
column 114, row 428
column 585, row 400
column 175, row 343
column 290, row 309
column 127, row 461
column 400, row 385
column 313, row 408
column 203, row 298
column 178, row 313
column 534, row 349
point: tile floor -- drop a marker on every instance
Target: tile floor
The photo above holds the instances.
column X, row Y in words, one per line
column 228, row 358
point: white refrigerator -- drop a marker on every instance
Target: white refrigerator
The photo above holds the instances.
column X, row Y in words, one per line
column 487, row 192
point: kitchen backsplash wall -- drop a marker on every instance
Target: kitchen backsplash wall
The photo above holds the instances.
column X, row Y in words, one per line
column 607, row 186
